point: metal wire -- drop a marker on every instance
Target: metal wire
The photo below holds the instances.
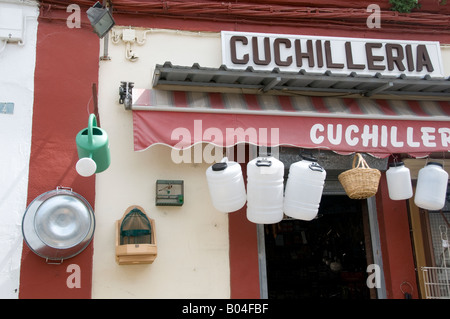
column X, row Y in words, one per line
column 284, row 13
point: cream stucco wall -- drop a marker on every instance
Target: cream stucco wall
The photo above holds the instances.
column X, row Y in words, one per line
column 193, row 252
column 445, row 52
column 192, row 240
column 17, row 65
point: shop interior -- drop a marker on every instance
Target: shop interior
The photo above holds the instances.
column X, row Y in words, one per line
column 323, row 258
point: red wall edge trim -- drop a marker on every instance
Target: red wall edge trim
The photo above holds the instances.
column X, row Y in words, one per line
column 397, row 252
column 305, row 28
column 66, row 68
column 244, row 266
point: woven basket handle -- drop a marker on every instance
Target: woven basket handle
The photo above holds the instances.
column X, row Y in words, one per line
column 361, row 161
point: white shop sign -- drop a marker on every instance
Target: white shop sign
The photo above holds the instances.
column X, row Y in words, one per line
column 292, row 53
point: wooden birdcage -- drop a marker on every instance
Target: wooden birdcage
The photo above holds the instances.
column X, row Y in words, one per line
column 135, row 238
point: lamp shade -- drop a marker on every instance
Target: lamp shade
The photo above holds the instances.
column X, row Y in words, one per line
column 101, row 19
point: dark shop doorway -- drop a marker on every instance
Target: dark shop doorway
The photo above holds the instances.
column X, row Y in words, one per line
column 324, row 258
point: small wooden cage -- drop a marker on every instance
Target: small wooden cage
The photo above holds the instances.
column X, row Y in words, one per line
column 135, row 238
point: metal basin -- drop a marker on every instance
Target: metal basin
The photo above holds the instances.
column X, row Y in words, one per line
column 58, row 224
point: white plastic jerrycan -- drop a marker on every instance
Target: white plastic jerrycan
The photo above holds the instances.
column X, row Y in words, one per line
column 431, row 187
column 304, row 188
column 226, row 186
column 265, row 190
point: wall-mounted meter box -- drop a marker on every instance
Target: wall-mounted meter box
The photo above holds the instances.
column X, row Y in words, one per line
column 169, row 192
column 11, row 23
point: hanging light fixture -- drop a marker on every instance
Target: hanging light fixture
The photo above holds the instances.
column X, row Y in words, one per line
column 101, row 19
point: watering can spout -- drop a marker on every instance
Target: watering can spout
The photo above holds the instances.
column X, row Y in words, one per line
column 93, row 149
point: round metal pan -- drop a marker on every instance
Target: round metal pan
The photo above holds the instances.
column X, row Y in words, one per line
column 58, row 224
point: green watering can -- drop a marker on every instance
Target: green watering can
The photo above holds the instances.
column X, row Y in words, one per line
column 93, row 149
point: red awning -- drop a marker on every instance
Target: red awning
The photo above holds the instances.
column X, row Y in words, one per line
column 379, row 127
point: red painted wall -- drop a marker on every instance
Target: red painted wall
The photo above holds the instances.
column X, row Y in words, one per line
column 396, row 248
column 244, row 267
column 66, row 68
column 332, row 18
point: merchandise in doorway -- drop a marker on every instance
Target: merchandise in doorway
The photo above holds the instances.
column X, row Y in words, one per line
column 323, row 258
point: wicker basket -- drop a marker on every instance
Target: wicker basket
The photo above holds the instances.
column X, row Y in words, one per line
column 361, row 181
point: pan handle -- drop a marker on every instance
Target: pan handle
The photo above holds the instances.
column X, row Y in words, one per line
column 54, row 262
column 63, row 188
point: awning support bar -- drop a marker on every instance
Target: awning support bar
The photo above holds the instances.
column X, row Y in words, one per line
column 272, row 84
column 379, row 89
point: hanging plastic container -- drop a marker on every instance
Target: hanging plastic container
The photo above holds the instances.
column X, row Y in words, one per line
column 226, row 186
column 93, row 149
column 398, row 179
column 265, row 190
column 431, row 187
column 304, row 188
